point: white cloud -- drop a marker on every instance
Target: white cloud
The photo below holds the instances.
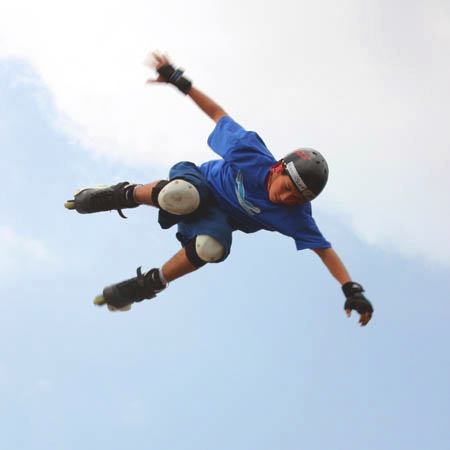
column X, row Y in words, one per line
column 18, row 251
column 364, row 82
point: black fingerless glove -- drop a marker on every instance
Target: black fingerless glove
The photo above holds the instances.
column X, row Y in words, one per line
column 175, row 77
column 356, row 299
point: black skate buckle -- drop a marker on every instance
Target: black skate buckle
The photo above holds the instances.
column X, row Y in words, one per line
column 140, row 277
column 121, row 214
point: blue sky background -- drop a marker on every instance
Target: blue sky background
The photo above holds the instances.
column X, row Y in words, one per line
column 253, row 353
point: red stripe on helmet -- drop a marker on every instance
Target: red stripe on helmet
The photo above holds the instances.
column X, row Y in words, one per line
column 302, row 155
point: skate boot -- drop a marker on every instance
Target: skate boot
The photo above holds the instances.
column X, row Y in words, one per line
column 121, row 295
column 103, row 198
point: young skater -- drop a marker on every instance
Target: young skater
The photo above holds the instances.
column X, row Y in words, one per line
column 246, row 190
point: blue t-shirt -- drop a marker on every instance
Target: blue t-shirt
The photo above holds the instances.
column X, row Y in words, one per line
column 238, row 182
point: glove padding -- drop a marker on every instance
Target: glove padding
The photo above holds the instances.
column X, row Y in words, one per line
column 175, row 77
column 356, row 299
column 359, row 303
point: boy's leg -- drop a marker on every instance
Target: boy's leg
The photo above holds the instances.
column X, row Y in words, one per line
column 178, row 197
column 178, row 266
column 194, row 255
column 198, row 251
column 143, row 193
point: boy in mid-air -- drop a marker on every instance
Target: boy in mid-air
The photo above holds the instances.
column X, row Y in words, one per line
column 246, row 190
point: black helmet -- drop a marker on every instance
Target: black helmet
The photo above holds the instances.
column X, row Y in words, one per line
column 308, row 170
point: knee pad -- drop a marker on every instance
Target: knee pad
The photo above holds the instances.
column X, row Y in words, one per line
column 203, row 249
column 177, row 197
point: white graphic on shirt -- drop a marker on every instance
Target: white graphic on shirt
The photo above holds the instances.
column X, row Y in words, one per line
column 240, row 194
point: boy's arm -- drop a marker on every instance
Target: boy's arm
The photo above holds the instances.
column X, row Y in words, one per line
column 334, row 264
column 206, row 104
column 168, row 74
column 353, row 291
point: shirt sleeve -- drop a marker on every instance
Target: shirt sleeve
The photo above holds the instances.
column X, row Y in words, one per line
column 312, row 239
column 309, row 236
column 232, row 142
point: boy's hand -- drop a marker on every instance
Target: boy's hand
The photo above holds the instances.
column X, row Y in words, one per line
column 357, row 301
column 155, row 60
column 167, row 72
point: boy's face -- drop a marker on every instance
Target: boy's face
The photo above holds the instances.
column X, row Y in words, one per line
column 282, row 191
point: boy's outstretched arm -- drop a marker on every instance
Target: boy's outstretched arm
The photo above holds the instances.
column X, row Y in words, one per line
column 168, row 74
column 207, row 105
column 352, row 291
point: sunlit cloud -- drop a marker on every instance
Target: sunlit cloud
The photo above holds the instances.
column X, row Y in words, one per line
column 366, row 84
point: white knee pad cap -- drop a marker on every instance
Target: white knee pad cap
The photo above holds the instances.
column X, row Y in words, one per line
column 179, row 197
column 208, row 248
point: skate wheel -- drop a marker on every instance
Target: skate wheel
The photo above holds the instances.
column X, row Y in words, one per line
column 70, row 204
column 99, row 300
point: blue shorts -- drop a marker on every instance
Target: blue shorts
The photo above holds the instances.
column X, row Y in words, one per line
column 209, row 218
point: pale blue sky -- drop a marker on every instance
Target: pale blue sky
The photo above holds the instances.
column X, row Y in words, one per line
column 254, row 353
